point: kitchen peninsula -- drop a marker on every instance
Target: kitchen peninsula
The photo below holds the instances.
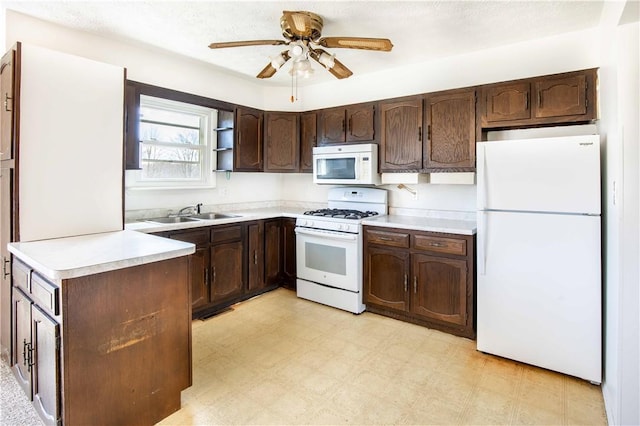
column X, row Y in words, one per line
column 102, row 326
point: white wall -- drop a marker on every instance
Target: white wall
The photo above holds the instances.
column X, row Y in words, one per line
column 620, row 97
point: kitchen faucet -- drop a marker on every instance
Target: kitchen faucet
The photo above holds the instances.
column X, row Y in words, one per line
column 189, row 210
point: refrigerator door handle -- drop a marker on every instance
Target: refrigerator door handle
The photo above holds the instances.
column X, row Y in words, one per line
column 482, row 242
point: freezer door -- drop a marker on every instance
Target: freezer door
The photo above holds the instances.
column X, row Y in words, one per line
column 539, row 290
column 547, row 174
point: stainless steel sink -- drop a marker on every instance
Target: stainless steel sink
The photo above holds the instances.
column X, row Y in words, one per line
column 213, row 216
column 176, row 219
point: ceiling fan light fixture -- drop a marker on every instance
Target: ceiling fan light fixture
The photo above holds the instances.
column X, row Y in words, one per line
column 327, row 60
column 278, row 61
column 301, row 68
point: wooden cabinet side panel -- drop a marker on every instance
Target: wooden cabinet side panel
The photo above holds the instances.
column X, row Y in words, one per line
column 401, row 135
column 127, row 344
column 289, row 252
column 451, row 133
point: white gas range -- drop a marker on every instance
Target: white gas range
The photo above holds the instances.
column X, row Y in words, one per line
column 329, row 247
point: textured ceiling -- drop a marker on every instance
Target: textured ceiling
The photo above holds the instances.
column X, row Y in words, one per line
column 419, row 30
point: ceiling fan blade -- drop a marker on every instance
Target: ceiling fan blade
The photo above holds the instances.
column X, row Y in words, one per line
column 339, row 70
column 381, row 44
column 328, row 61
column 246, row 43
column 270, row 70
column 299, row 23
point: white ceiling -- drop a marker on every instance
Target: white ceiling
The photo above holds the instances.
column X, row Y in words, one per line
column 419, row 30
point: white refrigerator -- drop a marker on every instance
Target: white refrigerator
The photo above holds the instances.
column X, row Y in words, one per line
column 539, row 284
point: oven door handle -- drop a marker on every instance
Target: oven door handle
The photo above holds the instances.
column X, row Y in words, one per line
column 327, row 234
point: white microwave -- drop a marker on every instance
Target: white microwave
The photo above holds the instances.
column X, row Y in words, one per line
column 346, row 164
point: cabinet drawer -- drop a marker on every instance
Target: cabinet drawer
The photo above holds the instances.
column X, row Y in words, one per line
column 227, row 233
column 199, row 237
column 393, row 239
column 440, row 244
column 45, row 294
column 20, row 274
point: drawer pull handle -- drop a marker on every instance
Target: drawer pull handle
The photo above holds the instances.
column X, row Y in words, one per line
column 437, row 244
column 385, row 238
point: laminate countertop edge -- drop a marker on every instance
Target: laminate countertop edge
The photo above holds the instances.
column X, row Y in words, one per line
column 428, row 224
column 78, row 256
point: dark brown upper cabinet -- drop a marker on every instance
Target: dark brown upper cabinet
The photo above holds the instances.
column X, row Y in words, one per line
column 282, row 142
column 248, row 147
column 308, row 139
column 401, row 135
column 566, row 98
column 451, row 131
column 352, row 124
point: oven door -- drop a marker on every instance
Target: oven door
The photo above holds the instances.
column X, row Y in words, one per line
column 328, row 257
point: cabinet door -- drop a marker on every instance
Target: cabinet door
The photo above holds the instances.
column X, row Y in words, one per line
column 7, row 223
column 273, row 252
column 248, row 147
column 360, row 123
column 282, row 150
column 198, row 264
column 46, row 365
column 199, row 277
column 451, row 131
column 386, row 278
column 557, row 97
column 7, row 70
column 506, row 102
column 226, row 271
column 255, row 245
column 22, row 354
column 308, row 134
column 439, row 288
column 289, row 253
column 332, row 126
column 401, row 135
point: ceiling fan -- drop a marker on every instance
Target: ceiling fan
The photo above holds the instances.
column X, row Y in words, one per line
column 302, row 32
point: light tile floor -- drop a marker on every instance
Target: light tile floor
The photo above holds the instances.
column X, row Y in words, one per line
column 277, row 359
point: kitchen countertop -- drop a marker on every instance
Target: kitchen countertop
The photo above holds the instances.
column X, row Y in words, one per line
column 243, row 216
column 430, row 224
column 73, row 257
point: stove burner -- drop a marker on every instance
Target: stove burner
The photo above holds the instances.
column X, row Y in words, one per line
column 341, row 213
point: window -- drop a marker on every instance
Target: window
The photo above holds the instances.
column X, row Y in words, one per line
column 175, row 141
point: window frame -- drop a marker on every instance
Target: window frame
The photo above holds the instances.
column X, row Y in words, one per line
column 133, row 91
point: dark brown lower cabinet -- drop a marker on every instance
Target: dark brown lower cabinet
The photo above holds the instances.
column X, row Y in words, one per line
column 107, row 348
column 227, row 277
column 234, row 262
column 421, row 277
